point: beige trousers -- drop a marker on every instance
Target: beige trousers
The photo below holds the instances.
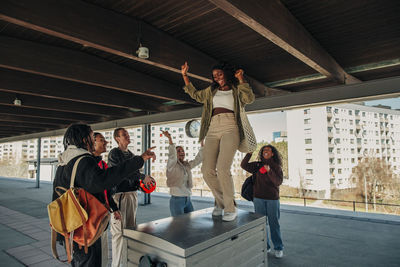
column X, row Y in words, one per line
column 222, row 141
column 127, row 203
column 104, row 249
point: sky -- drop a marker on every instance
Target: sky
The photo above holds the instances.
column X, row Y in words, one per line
column 393, row 102
column 264, row 124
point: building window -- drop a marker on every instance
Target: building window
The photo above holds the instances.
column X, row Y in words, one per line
column 308, row 161
column 339, row 171
column 307, row 121
column 339, row 161
column 350, row 112
column 309, row 171
column 308, row 141
column 307, row 111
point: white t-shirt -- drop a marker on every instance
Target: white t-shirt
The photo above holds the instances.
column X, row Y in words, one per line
column 223, row 99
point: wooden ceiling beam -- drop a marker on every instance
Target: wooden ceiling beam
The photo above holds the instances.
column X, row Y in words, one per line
column 272, row 20
column 37, row 126
column 8, row 131
column 77, row 66
column 56, row 123
column 67, row 19
column 23, row 128
column 37, row 102
column 20, row 82
column 49, row 114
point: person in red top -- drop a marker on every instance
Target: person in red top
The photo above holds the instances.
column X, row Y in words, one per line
column 100, row 146
column 268, row 177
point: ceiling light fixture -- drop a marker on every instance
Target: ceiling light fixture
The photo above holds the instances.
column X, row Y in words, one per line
column 17, row 102
column 142, row 52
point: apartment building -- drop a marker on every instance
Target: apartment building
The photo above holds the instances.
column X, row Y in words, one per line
column 325, row 143
column 16, row 152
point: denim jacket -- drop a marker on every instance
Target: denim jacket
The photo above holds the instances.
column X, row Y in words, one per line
column 242, row 94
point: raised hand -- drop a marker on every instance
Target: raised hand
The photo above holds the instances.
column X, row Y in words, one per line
column 168, row 135
column 149, row 154
column 239, row 75
column 184, row 69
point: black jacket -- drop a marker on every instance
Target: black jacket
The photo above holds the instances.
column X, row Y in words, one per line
column 102, row 197
column 91, row 177
column 130, row 183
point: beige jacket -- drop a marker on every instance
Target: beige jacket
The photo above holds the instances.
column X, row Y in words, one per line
column 242, row 94
column 176, row 170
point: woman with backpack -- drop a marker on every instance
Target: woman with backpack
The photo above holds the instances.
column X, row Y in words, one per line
column 268, row 177
column 79, row 142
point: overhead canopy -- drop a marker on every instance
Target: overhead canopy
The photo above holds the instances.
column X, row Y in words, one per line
column 75, row 61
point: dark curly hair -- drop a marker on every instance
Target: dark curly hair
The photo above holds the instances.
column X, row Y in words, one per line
column 229, row 72
column 276, row 157
column 95, row 134
column 78, row 135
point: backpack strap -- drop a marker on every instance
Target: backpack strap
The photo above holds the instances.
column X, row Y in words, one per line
column 74, row 170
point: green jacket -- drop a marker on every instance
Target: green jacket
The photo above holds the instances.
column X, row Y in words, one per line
column 242, row 94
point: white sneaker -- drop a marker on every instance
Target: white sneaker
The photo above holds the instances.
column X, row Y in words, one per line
column 229, row 216
column 278, row 254
column 268, row 250
column 217, row 211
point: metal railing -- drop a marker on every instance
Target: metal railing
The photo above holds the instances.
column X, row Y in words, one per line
column 352, row 203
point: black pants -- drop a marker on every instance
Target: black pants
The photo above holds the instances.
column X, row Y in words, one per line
column 92, row 259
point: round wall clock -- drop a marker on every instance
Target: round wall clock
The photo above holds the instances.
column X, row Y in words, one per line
column 192, row 128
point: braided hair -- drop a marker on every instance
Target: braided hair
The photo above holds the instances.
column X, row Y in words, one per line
column 79, row 136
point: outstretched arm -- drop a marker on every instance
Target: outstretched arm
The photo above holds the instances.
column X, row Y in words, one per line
column 246, row 94
column 249, row 167
column 184, row 71
column 172, row 156
column 198, row 95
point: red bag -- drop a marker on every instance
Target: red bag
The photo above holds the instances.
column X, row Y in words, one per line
column 98, row 218
column 92, row 228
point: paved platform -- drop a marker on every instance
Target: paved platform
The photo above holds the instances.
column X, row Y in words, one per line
column 312, row 236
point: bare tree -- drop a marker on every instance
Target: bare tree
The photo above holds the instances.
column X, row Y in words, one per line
column 374, row 180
